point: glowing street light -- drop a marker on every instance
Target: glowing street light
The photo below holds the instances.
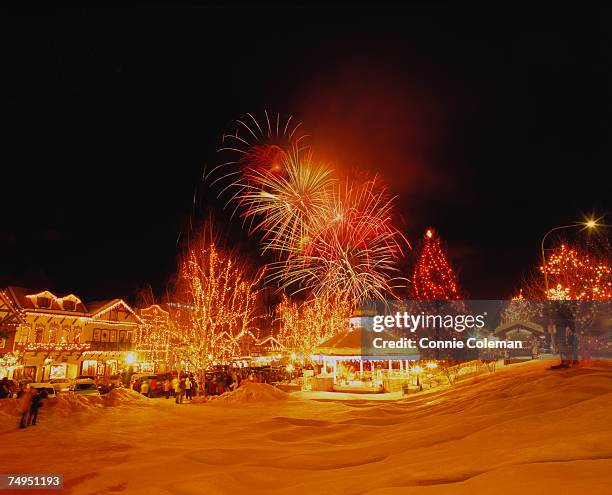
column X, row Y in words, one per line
column 130, row 358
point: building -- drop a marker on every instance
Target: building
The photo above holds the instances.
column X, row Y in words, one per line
column 59, row 336
column 153, row 340
column 10, row 320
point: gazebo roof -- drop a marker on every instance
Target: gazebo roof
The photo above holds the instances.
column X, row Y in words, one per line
column 516, row 325
column 352, row 342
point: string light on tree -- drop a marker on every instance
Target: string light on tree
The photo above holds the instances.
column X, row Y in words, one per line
column 578, row 274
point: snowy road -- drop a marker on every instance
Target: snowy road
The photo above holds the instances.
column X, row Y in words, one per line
column 522, row 430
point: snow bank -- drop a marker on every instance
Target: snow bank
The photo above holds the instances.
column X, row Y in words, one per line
column 253, row 392
column 523, row 430
column 67, row 404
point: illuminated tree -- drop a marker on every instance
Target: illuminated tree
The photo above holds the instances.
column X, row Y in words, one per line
column 304, row 325
column 575, row 273
column 520, row 309
column 213, row 306
column 434, row 279
column 579, row 284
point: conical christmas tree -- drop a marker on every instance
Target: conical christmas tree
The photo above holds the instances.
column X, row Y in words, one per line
column 434, row 279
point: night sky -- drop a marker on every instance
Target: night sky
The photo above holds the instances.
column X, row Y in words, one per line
column 493, row 126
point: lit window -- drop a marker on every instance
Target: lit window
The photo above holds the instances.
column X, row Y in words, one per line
column 69, row 305
column 38, row 335
column 89, row 367
column 43, row 302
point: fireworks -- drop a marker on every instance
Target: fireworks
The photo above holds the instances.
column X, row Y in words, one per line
column 352, row 246
column 331, row 237
column 258, row 147
column 285, row 207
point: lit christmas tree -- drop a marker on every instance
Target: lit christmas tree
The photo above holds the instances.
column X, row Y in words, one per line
column 434, row 279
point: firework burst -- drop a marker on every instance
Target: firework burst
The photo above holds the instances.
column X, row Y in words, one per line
column 257, row 146
column 352, row 247
column 285, row 207
column 331, row 237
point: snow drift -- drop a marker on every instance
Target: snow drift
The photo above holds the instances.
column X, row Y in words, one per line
column 522, row 430
column 252, row 392
column 66, row 404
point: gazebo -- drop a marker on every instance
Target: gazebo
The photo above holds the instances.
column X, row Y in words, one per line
column 526, row 331
column 348, row 346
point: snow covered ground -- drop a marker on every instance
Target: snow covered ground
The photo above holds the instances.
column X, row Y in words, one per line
column 524, row 429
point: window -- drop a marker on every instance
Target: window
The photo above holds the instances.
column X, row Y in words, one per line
column 89, row 367
column 69, row 305
column 38, row 334
column 96, row 335
column 43, row 302
column 58, row 371
column 65, row 334
column 53, row 333
column 77, row 335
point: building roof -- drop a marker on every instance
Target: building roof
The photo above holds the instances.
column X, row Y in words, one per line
column 514, row 325
column 25, row 299
column 9, row 314
column 352, row 342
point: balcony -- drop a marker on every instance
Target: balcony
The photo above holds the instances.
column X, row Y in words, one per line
column 110, row 346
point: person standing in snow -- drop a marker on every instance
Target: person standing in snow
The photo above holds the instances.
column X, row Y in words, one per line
column 181, row 394
column 153, row 388
column 144, row 388
column 179, row 391
column 25, row 404
column 175, row 385
column 194, row 385
column 188, row 388
column 35, row 405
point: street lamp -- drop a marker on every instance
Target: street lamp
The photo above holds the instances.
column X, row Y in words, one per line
column 588, row 224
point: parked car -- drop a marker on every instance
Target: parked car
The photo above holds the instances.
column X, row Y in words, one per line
column 47, row 387
column 61, row 384
column 85, row 386
column 83, row 377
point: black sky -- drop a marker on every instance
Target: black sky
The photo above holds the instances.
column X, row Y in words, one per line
column 491, row 125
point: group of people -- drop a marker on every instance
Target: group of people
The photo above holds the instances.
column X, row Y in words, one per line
column 8, row 388
column 185, row 387
column 181, row 388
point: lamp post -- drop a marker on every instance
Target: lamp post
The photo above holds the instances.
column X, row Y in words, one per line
column 589, row 224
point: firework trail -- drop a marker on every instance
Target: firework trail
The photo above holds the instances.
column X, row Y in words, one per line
column 258, row 146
